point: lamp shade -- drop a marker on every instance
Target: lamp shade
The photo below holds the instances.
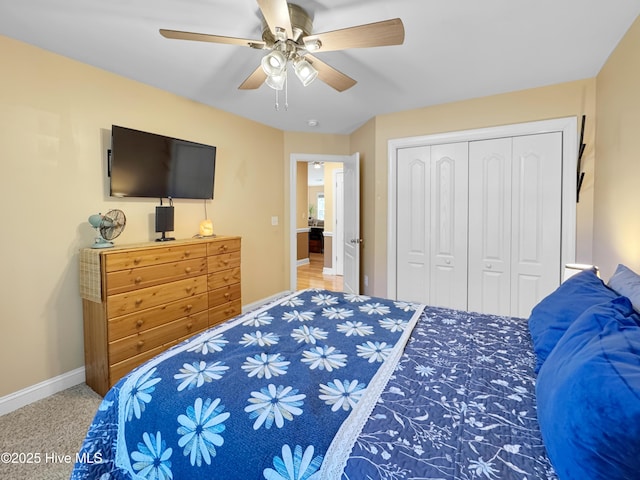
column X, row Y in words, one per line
column 570, row 269
column 277, row 81
column 206, row 228
column 305, row 71
column 274, row 63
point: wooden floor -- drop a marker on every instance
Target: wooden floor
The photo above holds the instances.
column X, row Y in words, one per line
column 310, row 275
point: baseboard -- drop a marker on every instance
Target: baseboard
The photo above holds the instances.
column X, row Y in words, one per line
column 259, row 303
column 41, row 390
column 328, row 271
column 303, row 261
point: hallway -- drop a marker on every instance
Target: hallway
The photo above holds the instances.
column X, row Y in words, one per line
column 311, row 276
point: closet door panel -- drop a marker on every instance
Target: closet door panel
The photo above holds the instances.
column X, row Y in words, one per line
column 536, row 203
column 490, row 226
column 413, row 223
column 448, row 203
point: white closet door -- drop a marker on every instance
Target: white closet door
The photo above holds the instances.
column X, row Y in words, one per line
column 490, row 226
column 536, row 200
column 413, row 223
column 448, row 203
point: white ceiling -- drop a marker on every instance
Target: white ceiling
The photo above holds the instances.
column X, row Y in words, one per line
column 453, row 50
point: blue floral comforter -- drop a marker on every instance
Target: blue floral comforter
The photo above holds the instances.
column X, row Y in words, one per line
column 460, row 405
column 276, row 394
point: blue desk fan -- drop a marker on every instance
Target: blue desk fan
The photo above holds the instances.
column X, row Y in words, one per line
column 108, row 227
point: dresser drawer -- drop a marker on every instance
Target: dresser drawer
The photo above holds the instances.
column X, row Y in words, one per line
column 224, row 245
column 135, row 278
column 137, row 300
column 223, row 278
column 120, row 369
column 220, row 296
column 135, row 344
column 153, row 256
column 224, row 312
column 137, row 322
column 223, row 261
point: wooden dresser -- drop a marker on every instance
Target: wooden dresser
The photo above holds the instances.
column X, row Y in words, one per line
column 139, row 300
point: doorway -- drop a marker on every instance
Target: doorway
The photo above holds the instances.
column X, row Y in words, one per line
column 349, row 197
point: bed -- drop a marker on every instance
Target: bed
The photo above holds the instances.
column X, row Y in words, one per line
column 326, row 385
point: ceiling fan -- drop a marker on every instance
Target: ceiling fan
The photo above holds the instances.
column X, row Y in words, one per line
column 288, row 36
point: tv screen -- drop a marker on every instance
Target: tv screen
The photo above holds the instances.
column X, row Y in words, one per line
column 145, row 164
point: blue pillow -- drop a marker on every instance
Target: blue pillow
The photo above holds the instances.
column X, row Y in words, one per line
column 552, row 316
column 588, row 395
column 626, row 282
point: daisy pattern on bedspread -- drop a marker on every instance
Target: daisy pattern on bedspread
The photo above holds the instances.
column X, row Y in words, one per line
column 259, row 397
column 460, row 405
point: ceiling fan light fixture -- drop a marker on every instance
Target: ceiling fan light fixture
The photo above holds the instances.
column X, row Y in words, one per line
column 312, row 45
column 274, row 63
column 276, row 81
column 305, row 71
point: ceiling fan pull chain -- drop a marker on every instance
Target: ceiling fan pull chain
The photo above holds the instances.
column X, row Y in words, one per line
column 277, row 106
column 286, row 90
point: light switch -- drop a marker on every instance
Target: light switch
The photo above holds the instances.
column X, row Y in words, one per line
column 274, row 221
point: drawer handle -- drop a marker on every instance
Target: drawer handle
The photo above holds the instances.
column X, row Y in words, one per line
column 224, row 248
column 228, row 311
column 187, row 253
column 189, row 326
column 187, row 270
column 138, row 280
column 188, row 289
column 227, row 295
column 138, row 301
column 140, row 343
column 139, row 323
column 226, row 279
column 225, row 262
column 137, row 260
column 188, row 307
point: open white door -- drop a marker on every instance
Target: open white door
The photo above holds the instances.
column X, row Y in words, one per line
column 338, row 217
column 352, row 240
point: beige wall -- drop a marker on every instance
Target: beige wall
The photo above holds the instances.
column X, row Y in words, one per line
column 55, row 118
column 302, row 207
column 617, row 173
column 562, row 100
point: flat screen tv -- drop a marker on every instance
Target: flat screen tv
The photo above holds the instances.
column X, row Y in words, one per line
column 145, row 164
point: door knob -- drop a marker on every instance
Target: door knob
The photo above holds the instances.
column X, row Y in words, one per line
column 355, row 240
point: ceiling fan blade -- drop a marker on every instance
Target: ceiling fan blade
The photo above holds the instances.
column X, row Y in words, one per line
column 330, row 75
column 276, row 14
column 205, row 37
column 255, row 80
column 378, row 34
